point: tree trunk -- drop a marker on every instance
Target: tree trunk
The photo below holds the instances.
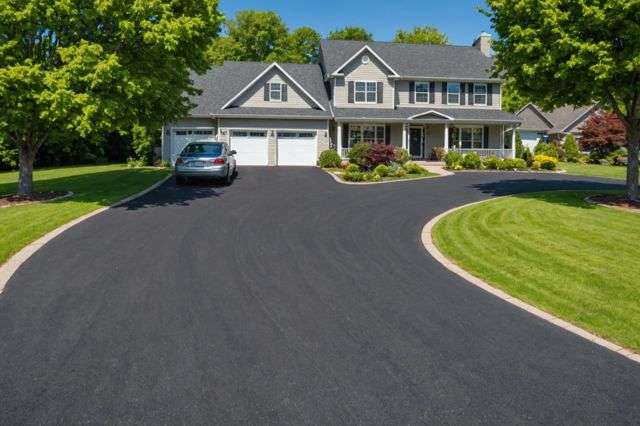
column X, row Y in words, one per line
column 27, row 156
column 632, row 162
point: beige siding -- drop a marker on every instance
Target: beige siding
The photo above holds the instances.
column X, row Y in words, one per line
column 373, row 71
column 254, row 97
column 402, row 97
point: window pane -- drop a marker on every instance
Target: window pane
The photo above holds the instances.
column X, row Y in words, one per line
column 360, row 97
column 480, row 89
column 371, row 96
column 453, row 99
column 360, row 86
column 355, row 135
column 371, row 87
column 368, row 134
column 422, row 97
column 380, row 134
column 453, row 87
column 422, row 87
column 480, row 99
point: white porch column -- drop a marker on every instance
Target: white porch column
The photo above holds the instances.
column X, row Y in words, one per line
column 446, row 137
column 513, row 141
column 339, row 139
column 404, row 137
column 502, row 142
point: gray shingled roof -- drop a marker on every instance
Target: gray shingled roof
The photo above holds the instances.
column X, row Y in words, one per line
column 458, row 114
column 414, row 60
column 560, row 118
column 220, row 84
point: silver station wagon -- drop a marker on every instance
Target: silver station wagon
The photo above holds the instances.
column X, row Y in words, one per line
column 212, row 160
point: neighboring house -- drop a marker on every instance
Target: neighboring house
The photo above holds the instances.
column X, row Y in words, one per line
column 416, row 96
column 538, row 124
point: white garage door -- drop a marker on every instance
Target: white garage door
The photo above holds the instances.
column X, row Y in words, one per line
column 251, row 147
column 181, row 137
column 297, row 149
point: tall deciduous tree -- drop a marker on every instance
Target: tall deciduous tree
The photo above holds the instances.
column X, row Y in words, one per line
column 575, row 52
column 351, row 33
column 84, row 67
column 421, row 35
column 301, row 46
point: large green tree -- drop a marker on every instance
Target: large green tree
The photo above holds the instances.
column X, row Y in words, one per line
column 301, row 46
column 574, row 52
column 421, row 35
column 87, row 66
column 351, row 33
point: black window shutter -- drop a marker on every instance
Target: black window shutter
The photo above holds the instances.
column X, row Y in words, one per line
column 412, row 92
column 444, row 93
column 463, row 97
column 284, row 93
column 486, row 137
column 266, row 92
column 471, row 91
column 345, row 136
column 387, row 134
column 380, row 88
column 432, row 92
column 350, row 95
column 489, row 94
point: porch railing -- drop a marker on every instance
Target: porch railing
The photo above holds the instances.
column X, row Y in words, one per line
column 483, row 152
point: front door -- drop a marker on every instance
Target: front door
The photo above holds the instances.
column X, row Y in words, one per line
column 416, row 139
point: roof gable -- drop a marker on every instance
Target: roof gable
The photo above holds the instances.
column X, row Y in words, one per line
column 364, row 49
column 533, row 118
column 431, row 114
column 412, row 60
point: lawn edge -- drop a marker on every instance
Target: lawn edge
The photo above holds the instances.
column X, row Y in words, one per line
column 429, row 245
column 12, row 264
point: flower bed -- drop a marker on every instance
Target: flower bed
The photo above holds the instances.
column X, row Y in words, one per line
column 472, row 161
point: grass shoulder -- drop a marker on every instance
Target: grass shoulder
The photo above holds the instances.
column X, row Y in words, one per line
column 557, row 252
column 92, row 186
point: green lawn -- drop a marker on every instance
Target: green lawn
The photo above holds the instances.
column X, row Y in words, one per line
column 614, row 172
column 553, row 250
column 93, row 186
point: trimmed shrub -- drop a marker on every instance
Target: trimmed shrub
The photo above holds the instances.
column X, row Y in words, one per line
column 520, row 164
column 352, row 168
column 547, row 149
column 527, row 156
column 472, row 161
column 438, row 153
column 519, row 145
column 414, row 169
column 329, row 158
column 535, row 165
column 354, row 176
column 618, row 157
column 546, row 162
column 379, row 153
column 358, row 154
column 401, row 155
column 571, row 151
column 399, row 173
column 492, row 163
column 452, row 159
column 381, row 170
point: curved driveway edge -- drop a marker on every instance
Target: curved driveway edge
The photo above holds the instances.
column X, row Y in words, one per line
column 430, row 246
column 14, row 262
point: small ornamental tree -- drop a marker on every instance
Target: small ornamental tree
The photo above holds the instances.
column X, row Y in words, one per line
column 86, row 67
column 560, row 52
column 602, row 133
column 379, row 153
column 519, row 146
column 571, row 152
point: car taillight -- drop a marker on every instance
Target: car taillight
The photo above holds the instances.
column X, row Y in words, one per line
column 179, row 161
column 218, row 161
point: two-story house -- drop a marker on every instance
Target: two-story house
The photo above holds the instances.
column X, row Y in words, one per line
column 415, row 96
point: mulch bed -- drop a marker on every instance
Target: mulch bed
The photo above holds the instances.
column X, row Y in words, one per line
column 14, row 200
column 616, row 201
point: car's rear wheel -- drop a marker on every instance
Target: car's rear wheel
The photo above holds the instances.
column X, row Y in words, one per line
column 228, row 178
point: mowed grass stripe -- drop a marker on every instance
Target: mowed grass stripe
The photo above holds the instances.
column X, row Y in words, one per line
column 577, row 261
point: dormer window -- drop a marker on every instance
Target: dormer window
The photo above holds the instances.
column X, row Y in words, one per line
column 422, row 91
column 453, row 93
column 275, row 92
column 480, row 94
column 366, row 92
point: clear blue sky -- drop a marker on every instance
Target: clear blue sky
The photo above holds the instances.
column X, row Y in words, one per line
column 458, row 19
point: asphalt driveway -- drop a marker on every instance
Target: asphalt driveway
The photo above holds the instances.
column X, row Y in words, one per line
column 288, row 298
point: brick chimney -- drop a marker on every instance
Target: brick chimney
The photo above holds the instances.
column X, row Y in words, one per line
column 483, row 43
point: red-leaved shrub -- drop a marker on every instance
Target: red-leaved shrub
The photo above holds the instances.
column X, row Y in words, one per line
column 379, row 154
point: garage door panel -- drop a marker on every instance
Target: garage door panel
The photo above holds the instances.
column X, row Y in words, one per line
column 297, row 149
column 251, row 147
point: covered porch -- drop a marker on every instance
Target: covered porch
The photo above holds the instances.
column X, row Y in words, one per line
column 423, row 139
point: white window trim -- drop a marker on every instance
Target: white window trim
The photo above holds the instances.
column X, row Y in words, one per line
column 349, row 143
column 458, row 131
column 486, row 94
column 449, row 93
column 279, row 91
column 423, row 93
column 366, row 82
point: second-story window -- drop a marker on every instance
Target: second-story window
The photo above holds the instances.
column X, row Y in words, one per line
column 480, row 94
column 453, row 93
column 275, row 92
column 366, row 92
column 422, row 91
